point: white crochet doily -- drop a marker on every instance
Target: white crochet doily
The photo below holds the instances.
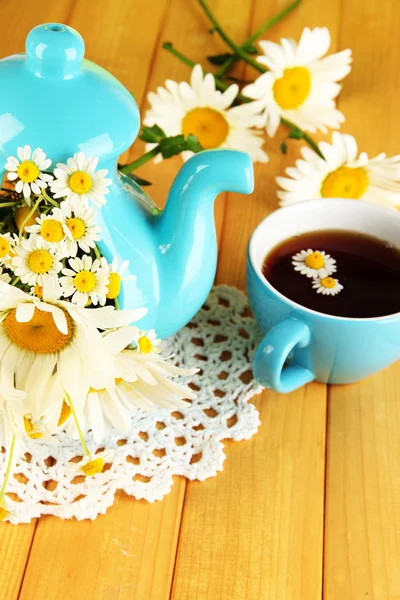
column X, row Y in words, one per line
column 220, row 340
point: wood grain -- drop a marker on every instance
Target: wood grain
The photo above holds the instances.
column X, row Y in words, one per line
column 269, row 527
column 362, row 531
column 15, row 542
column 268, row 505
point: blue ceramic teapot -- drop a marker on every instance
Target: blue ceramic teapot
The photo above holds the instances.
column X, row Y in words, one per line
column 55, row 99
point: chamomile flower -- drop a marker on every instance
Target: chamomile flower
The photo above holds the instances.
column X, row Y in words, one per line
column 80, row 182
column 343, row 174
column 300, row 84
column 200, row 109
column 7, row 243
column 4, row 276
column 85, row 280
column 6, row 514
column 328, row 286
column 147, row 342
column 51, row 350
column 49, row 228
column 92, row 464
column 28, row 171
column 115, row 273
column 79, row 225
column 143, row 382
column 314, row 263
column 35, row 260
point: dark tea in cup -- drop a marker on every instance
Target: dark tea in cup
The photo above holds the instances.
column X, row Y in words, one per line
column 337, row 272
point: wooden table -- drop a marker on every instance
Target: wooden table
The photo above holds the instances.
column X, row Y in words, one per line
column 309, row 507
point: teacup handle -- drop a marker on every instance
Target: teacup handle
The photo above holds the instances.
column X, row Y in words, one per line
column 272, row 353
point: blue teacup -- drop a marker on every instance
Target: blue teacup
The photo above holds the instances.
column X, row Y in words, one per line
column 302, row 345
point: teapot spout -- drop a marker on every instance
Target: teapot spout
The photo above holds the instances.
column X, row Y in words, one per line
column 186, row 236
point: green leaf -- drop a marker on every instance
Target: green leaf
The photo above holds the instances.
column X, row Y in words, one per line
column 152, row 134
column 296, row 134
column 138, row 180
column 193, row 144
column 219, row 59
column 284, row 147
column 177, row 144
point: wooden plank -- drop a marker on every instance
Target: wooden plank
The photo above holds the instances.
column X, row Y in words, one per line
column 15, row 542
column 139, row 562
column 128, row 553
column 362, row 533
column 256, row 531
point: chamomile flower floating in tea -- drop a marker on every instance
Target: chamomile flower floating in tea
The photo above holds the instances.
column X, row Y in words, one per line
column 343, row 174
column 328, row 286
column 200, row 109
column 301, row 83
column 314, row 263
column 79, row 181
column 85, row 280
column 29, row 171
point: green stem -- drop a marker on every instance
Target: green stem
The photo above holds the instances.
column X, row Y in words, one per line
column 7, row 204
column 78, row 427
column 237, row 49
column 97, row 252
column 220, row 84
column 224, row 68
column 15, row 281
column 8, row 469
column 116, row 303
column 32, row 212
column 305, row 136
column 169, row 46
column 49, row 199
column 126, row 169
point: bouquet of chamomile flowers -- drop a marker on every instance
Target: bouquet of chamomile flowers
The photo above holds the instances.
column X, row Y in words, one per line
column 69, row 358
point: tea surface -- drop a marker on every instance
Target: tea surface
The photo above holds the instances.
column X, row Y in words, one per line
column 368, row 269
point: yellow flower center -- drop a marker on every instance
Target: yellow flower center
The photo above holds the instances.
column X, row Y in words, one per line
column 30, row 429
column 315, row 260
column 65, row 414
column 114, row 286
column 93, row 467
column 28, row 171
column 3, row 513
column 208, row 125
column 345, row 182
column 85, row 281
column 293, row 88
column 51, row 230
column 76, row 227
column 40, row 334
column 328, row 282
column 40, row 261
column 4, row 247
column 80, row 182
column 38, row 291
column 145, row 344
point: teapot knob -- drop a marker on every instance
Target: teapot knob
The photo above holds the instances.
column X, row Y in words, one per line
column 55, row 51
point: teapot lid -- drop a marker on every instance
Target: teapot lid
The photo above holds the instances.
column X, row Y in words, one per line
column 59, row 101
